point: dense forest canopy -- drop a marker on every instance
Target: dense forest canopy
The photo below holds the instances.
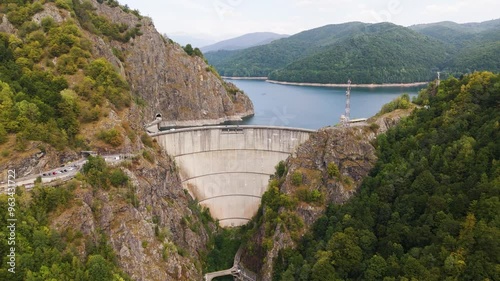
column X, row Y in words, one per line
column 382, row 54
column 430, row 209
column 42, row 253
column 261, row 60
column 369, row 53
column 50, row 84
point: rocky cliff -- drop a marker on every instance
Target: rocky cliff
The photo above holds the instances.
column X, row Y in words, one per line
column 328, row 168
column 145, row 226
column 181, row 88
column 153, row 227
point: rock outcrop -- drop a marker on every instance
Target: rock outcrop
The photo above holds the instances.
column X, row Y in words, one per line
column 144, row 225
column 6, row 26
column 153, row 226
column 182, row 88
column 349, row 149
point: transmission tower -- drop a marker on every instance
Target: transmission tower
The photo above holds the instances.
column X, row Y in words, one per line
column 347, row 115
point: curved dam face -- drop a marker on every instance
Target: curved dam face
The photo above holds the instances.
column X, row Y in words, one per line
column 227, row 169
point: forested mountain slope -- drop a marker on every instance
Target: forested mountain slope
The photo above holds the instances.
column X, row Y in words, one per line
column 261, row 60
column 473, row 46
column 383, row 53
column 430, row 208
column 87, row 75
column 369, row 53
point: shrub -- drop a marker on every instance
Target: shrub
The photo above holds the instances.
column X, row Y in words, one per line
column 297, row 178
column 148, row 156
column 374, row 127
column 63, row 4
column 280, row 169
column 188, row 49
column 119, row 54
column 5, row 153
column 402, row 102
column 96, row 172
column 333, row 170
column 118, row 178
column 147, row 140
column 111, row 137
column 309, row 196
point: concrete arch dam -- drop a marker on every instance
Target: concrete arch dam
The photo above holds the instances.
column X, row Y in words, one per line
column 227, row 168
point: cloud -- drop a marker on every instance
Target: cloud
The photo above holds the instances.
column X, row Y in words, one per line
column 462, row 11
column 446, row 8
column 221, row 17
column 316, row 3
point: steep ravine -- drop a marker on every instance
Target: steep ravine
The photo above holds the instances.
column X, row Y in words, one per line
column 153, row 227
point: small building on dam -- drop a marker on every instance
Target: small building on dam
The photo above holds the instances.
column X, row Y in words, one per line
column 227, row 168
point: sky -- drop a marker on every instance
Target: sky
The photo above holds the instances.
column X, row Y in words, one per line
column 215, row 20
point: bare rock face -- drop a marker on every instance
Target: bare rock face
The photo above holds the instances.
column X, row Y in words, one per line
column 6, row 26
column 143, row 225
column 351, row 151
column 50, row 10
column 180, row 87
column 36, row 159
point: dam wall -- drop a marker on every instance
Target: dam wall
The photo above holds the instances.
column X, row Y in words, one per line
column 227, row 168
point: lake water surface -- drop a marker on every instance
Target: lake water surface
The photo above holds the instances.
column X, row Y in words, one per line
column 312, row 107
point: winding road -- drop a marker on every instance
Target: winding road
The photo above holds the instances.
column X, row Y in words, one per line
column 63, row 173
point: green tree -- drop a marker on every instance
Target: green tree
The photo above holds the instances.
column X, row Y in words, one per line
column 189, row 49
column 96, row 171
column 98, row 269
column 376, row 268
column 280, row 169
column 346, row 254
column 323, row 269
column 118, row 177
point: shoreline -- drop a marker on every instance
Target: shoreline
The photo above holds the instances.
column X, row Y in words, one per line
column 206, row 122
column 401, row 85
column 243, row 78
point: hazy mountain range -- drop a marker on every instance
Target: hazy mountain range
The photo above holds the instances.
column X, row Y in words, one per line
column 244, row 41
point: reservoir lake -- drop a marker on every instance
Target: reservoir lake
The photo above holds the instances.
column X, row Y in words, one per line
column 313, row 107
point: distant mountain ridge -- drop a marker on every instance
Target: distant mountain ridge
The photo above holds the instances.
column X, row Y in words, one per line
column 472, row 27
column 369, row 53
column 244, row 41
